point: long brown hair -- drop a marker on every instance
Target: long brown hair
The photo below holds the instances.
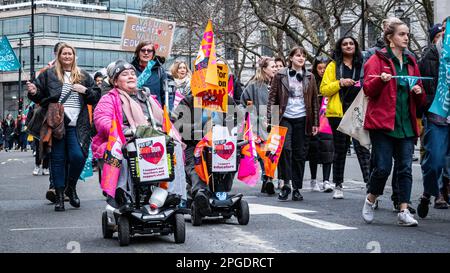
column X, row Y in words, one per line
column 76, row 75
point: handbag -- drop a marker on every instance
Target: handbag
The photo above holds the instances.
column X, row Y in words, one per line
column 352, row 122
column 35, row 124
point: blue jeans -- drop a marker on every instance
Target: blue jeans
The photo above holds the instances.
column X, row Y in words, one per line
column 437, row 147
column 66, row 151
column 384, row 148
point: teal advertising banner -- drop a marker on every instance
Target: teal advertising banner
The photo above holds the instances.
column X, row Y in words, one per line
column 8, row 59
column 441, row 102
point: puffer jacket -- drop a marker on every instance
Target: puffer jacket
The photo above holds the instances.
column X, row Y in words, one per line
column 279, row 95
column 381, row 108
column 49, row 90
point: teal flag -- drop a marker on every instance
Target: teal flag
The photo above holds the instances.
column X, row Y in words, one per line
column 8, row 59
column 87, row 170
column 441, row 102
column 411, row 81
column 145, row 74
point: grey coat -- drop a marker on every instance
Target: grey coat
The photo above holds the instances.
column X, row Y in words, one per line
column 258, row 94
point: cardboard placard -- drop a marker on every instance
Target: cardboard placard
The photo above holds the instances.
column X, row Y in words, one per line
column 224, row 150
column 159, row 32
column 152, row 158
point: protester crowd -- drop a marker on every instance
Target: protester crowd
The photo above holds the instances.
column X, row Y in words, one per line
column 311, row 104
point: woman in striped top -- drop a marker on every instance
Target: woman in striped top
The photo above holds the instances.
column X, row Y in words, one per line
column 66, row 83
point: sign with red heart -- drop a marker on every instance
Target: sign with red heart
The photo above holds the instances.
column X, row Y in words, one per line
column 224, row 150
column 152, row 158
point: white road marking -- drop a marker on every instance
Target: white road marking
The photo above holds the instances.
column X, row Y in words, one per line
column 290, row 213
column 48, row 228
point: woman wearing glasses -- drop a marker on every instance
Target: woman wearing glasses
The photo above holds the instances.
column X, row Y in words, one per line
column 143, row 55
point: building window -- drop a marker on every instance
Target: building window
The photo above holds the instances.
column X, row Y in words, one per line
column 265, row 43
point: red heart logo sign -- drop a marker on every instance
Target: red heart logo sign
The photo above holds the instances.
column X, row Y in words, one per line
column 153, row 154
column 156, row 46
column 226, row 150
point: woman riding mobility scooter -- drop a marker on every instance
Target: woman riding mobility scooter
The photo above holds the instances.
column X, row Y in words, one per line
column 147, row 210
column 137, row 160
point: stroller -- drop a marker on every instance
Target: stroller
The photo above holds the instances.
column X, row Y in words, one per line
column 221, row 202
column 137, row 217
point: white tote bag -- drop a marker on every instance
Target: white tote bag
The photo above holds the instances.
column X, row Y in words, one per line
column 352, row 123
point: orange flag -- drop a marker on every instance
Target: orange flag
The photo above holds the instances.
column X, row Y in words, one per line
column 166, row 121
column 271, row 150
column 206, row 57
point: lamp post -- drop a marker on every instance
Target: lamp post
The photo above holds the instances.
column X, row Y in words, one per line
column 20, row 44
column 32, row 72
column 363, row 25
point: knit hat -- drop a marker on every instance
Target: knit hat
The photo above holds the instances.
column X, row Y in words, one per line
column 434, row 31
column 117, row 66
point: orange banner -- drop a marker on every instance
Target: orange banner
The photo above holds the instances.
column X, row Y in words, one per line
column 211, row 97
column 271, row 150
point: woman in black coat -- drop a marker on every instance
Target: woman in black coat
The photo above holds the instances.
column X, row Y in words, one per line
column 9, row 126
column 67, row 84
column 321, row 148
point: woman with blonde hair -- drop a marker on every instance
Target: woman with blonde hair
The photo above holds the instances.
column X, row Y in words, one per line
column 391, row 118
column 182, row 75
column 75, row 89
column 257, row 92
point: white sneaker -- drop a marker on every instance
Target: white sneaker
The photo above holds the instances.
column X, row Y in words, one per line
column 338, row 193
column 327, row 186
column 368, row 211
column 45, row 172
column 314, row 185
column 406, row 219
column 36, row 170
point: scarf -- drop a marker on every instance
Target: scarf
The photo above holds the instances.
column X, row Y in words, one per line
column 132, row 110
column 181, row 82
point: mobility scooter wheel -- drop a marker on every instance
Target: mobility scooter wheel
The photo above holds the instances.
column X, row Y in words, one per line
column 124, row 231
column 107, row 231
column 243, row 213
column 180, row 229
column 196, row 217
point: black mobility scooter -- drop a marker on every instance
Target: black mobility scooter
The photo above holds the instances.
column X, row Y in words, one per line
column 221, row 202
column 137, row 216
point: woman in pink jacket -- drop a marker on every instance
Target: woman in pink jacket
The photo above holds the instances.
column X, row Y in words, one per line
column 130, row 105
column 391, row 118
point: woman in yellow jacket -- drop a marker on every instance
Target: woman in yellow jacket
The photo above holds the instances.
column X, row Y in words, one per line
column 341, row 83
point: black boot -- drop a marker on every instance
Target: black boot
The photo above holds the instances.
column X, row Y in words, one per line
column 71, row 192
column 59, row 199
column 263, row 186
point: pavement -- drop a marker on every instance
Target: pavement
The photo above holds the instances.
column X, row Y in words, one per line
column 318, row 224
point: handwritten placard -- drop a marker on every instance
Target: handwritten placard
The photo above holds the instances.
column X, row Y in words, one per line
column 137, row 29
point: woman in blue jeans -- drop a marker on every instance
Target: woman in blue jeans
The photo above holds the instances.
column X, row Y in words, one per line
column 66, row 83
column 391, row 118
